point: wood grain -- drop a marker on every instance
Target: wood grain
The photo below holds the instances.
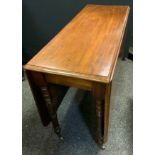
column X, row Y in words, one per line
column 69, row 81
column 86, row 48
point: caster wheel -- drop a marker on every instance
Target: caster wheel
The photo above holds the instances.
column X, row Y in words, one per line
column 103, row 147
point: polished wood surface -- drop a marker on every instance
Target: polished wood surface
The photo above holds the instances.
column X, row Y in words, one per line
column 69, row 81
column 83, row 55
column 87, row 47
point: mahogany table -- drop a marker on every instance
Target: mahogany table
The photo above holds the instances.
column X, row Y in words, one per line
column 83, row 55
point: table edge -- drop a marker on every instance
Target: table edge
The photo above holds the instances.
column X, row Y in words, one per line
column 117, row 53
column 95, row 78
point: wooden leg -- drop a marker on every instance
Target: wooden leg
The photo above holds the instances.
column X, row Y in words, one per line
column 101, row 95
column 99, row 121
column 50, row 103
column 49, row 100
column 107, row 110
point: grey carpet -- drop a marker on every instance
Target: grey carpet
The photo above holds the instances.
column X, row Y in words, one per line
column 76, row 119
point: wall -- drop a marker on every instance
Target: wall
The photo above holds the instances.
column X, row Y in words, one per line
column 43, row 19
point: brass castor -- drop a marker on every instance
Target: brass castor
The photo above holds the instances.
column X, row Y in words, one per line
column 103, row 147
column 61, row 138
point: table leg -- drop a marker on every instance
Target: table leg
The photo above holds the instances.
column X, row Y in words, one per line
column 48, row 99
column 50, row 103
column 101, row 95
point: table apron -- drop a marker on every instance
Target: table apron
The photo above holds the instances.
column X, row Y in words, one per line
column 69, row 81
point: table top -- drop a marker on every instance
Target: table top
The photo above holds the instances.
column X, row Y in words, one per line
column 87, row 47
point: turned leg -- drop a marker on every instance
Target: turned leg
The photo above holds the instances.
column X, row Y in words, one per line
column 47, row 99
column 101, row 93
column 99, row 121
column 50, row 103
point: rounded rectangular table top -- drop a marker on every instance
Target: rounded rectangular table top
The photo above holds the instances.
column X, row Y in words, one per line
column 87, row 47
